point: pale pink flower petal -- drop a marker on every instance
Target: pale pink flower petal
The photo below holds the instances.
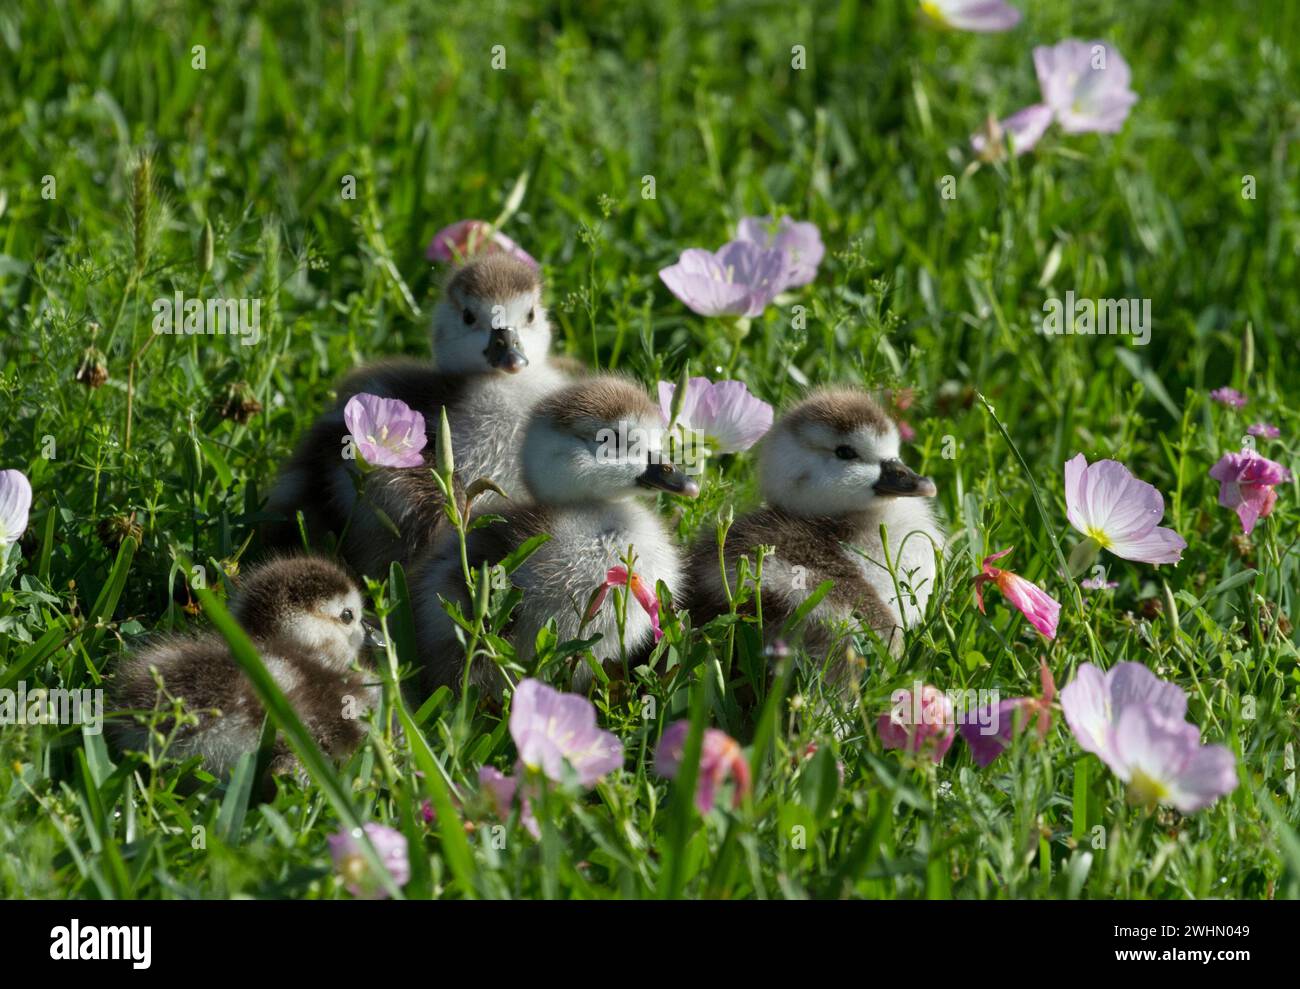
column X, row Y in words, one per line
column 721, row 758
column 739, row 280
column 1229, row 396
column 357, row 876
column 1105, row 502
column 386, row 431
column 1246, row 482
column 1160, row 545
column 697, row 390
column 730, row 418
column 502, row 791
column 15, row 504
column 1264, row 430
column 500, row 787
column 551, row 728
column 972, row 15
column 1132, row 683
column 932, row 727
column 986, row 745
column 987, row 737
column 1098, row 584
column 1041, row 609
column 799, row 242
column 1086, row 84
column 618, row 577
column 1093, row 701
column 1085, row 702
column 1023, row 129
column 1163, row 761
column 468, row 238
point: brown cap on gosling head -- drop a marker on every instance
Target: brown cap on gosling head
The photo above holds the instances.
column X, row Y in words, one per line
column 491, row 317
column 493, row 276
column 844, row 410
column 603, row 399
column 275, row 593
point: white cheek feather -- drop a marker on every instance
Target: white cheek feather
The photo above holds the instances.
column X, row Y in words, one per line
column 875, row 447
column 323, row 635
column 536, row 338
column 457, row 347
column 914, row 536
column 559, row 468
column 808, row 480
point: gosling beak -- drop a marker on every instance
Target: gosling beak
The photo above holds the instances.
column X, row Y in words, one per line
column 896, row 478
column 666, row 477
column 374, row 638
column 504, row 351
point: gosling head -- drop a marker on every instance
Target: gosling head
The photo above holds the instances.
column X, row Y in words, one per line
column 491, row 319
column 836, row 453
column 600, row 439
column 307, row 605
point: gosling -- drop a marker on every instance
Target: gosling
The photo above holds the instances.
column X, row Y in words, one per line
column 304, row 614
column 491, row 341
column 591, row 451
column 830, row 473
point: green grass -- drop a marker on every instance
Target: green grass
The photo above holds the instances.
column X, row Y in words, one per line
column 917, row 291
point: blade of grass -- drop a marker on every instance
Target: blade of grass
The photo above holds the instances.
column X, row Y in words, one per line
column 682, row 810
column 295, row 732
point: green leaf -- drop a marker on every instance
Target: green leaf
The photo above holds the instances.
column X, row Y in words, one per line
column 455, row 846
column 106, row 603
column 525, row 549
column 401, row 621
column 234, row 805
column 213, row 455
column 805, row 608
column 1141, row 372
column 1079, row 824
column 35, row 654
column 820, row 783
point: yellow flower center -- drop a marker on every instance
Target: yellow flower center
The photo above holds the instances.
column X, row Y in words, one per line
column 353, row 868
column 1100, row 536
column 931, row 10
column 1144, row 790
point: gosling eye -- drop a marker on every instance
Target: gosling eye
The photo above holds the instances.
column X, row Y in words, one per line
column 531, row 313
column 846, row 452
column 468, row 316
column 346, row 616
